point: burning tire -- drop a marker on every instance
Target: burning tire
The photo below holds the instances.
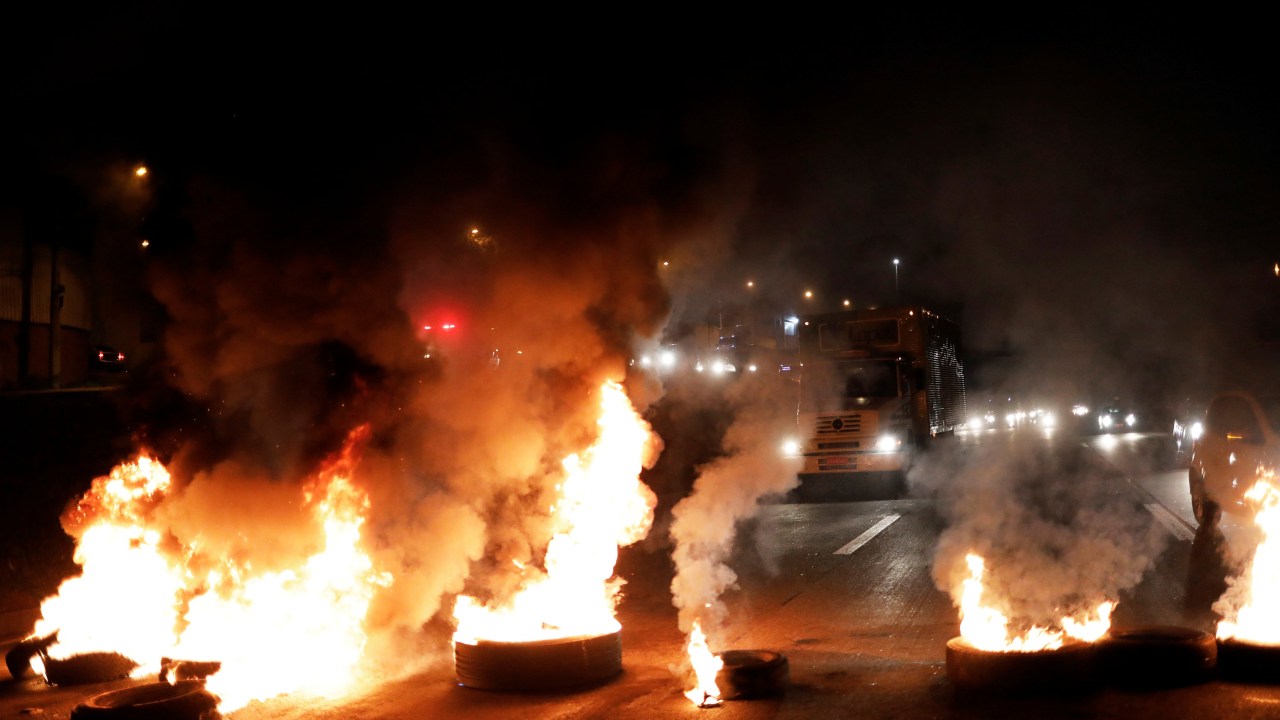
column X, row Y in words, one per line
column 1158, row 656
column 1069, row 668
column 86, row 668
column 752, row 674
column 18, row 658
column 187, row 700
column 544, row 665
column 1249, row 662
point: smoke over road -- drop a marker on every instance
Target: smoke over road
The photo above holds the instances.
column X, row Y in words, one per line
column 1057, row 532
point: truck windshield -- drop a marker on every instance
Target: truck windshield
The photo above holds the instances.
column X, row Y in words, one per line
column 834, row 386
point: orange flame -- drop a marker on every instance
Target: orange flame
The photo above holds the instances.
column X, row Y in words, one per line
column 144, row 595
column 705, row 693
column 1252, row 618
column 986, row 628
column 603, row 505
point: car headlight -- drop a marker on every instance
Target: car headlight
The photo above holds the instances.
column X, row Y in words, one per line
column 887, row 443
column 1197, row 429
column 1104, row 421
column 1130, row 419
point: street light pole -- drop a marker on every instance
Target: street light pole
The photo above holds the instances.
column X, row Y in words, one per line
column 895, row 280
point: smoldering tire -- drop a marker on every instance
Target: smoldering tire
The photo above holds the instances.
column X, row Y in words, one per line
column 1157, row 656
column 538, row 666
column 1248, row 662
column 186, row 700
column 749, row 674
column 1068, row 669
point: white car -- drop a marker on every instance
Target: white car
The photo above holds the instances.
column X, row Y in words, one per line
column 1241, row 437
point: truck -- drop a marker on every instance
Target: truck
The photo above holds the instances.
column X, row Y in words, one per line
column 876, row 386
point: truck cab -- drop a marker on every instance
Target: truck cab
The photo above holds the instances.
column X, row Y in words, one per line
column 875, row 385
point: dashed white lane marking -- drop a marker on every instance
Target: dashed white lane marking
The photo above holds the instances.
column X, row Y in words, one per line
column 867, row 536
column 1171, row 522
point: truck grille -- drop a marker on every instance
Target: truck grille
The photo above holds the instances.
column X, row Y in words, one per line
column 846, row 423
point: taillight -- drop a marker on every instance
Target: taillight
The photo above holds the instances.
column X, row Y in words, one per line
column 119, row 357
column 101, row 355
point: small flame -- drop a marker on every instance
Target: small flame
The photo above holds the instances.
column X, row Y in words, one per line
column 986, row 628
column 1253, row 618
column 705, row 666
column 602, row 505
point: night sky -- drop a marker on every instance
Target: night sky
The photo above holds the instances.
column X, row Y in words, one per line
column 1094, row 194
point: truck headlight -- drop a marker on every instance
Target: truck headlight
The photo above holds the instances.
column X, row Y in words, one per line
column 887, row 443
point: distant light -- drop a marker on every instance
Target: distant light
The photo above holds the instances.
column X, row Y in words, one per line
column 751, row 368
column 667, row 358
column 846, row 303
column 1278, row 269
column 808, row 294
column 751, row 283
column 426, row 327
column 475, row 231
column 645, row 361
column 665, row 263
column 448, row 326
column 145, row 243
column 895, row 261
column 140, row 171
column 790, row 448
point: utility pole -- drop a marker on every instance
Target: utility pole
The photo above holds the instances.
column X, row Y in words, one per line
column 56, row 292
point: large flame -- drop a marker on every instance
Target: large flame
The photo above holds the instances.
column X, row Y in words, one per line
column 705, row 693
column 602, row 505
column 143, row 594
column 986, row 628
column 1253, row 619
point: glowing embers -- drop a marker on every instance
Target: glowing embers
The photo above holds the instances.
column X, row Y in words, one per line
column 1249, row 633
column 988, row 656
column 559, row 626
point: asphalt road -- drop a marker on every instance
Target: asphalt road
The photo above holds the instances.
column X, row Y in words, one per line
column 843, row 588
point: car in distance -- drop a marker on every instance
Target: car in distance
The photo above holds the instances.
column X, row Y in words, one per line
column 1241, row 437
column 105, row 358
column 1114, row 418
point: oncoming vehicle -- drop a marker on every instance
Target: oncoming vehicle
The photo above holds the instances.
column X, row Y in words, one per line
column 875, row 385
column 1241, row 439
column 105, row 358
column 1114, row 418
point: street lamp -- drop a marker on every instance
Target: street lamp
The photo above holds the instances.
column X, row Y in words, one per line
column 895, row 279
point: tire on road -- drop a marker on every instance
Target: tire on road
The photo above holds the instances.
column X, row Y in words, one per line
column 1248, row 662
column 1068, row 669
column 749, row 674
column 18, row 658
column 538, row 666
column 85, row 668
column 185, row 700
column 1157, row 656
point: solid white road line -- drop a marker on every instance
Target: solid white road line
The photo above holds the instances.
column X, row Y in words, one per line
column 866, row 537
column 1171, row 522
